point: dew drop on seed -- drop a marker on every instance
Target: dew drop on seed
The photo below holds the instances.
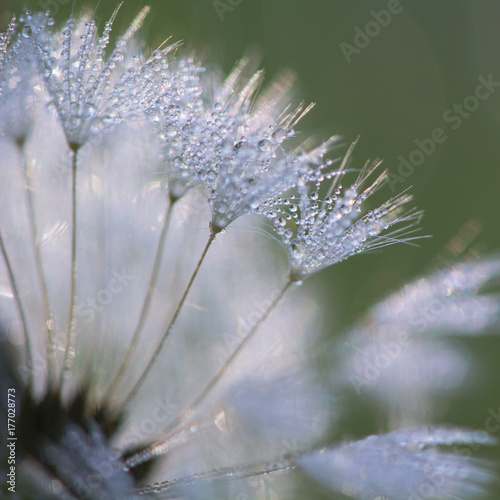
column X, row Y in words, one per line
column 265, row 145
column 278, row 135
column 280, row 222
column 27, row 31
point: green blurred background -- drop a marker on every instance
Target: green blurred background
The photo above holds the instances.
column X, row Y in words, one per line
column 393, row 91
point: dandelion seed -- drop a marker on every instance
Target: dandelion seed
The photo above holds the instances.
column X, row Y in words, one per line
column 330, row 230
column 19, row 80
column 237, row 150
column 80, row 78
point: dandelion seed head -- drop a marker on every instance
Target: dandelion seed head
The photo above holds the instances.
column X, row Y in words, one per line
column 80, row 76
column 211, row 134
column 318, row 232
column 254, row 164
column 20, row 83
column 175, row 111
column 376, row 465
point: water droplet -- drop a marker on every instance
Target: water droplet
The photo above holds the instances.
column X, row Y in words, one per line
column 27, row 31
column 90, row 111
column 280, row 222
column 153, row 114
column 279, row 135
column 265, row 145
column 211, row 176
column 227, row 147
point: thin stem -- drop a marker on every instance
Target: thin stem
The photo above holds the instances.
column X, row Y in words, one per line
column 133, row 393
column 223, row 369
column 181, row 419
column 147, row 301
column 177, row 438
column 341, row 169
column 49, row 315
column 72, row 321
column 229, row 473
column 22, row 314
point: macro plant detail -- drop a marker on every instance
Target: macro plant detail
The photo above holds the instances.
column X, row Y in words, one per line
column 157, row 343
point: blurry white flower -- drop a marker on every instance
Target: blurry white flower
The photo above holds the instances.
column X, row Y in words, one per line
column 405, row 464
column 448, row 301
column 401, row 351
